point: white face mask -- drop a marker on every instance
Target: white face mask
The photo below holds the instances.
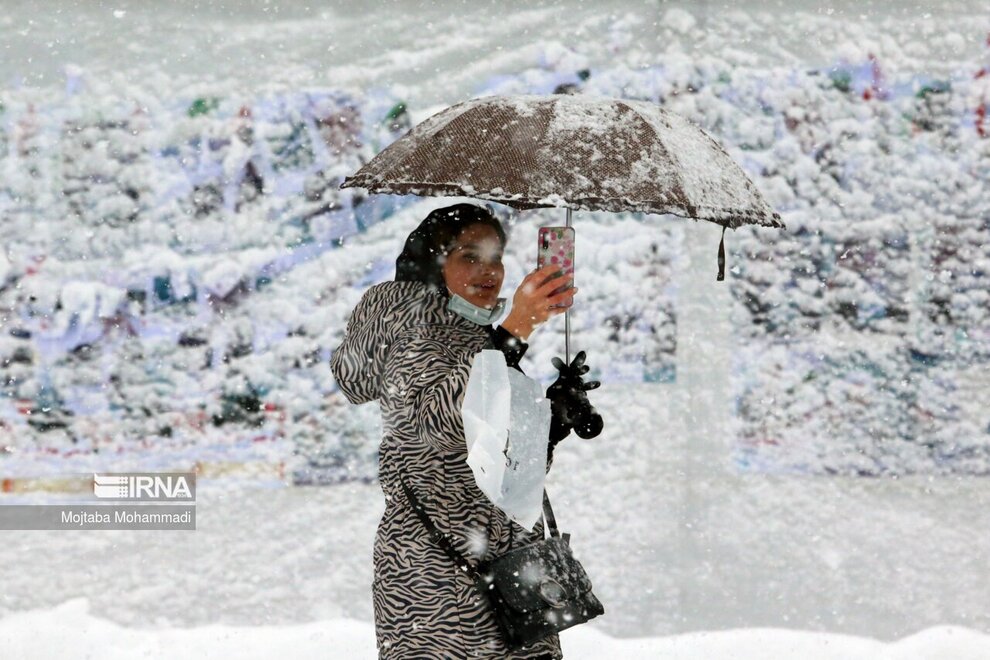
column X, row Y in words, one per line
column 470, row 311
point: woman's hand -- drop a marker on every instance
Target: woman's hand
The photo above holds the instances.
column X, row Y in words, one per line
column 569, row 400
column 532, row 303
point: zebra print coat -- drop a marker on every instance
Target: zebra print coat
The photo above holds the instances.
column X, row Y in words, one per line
column 403, row 348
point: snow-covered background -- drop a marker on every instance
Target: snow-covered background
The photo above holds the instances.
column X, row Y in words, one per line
column 802, row 446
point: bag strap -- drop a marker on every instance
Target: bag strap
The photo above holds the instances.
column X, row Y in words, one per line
column 551, row 522
column 440, row 538
column 444, row 542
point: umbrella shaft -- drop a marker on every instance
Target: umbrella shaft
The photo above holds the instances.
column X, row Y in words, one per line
column 567, row 315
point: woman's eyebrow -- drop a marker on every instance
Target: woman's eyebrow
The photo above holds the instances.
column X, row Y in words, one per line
column 474, row 246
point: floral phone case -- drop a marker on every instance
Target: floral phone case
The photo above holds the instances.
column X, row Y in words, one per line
column 556, row 246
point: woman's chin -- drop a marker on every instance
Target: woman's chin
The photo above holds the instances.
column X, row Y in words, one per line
column 484, row 300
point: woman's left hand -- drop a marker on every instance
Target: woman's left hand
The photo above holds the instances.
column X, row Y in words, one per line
column 569, row 399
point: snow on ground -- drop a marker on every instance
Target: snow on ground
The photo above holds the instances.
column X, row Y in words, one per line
column 70, row 631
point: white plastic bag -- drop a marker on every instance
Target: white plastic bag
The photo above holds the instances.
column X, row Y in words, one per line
column 507, row 429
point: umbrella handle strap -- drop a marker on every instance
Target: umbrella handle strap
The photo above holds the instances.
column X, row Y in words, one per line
column 721, row 257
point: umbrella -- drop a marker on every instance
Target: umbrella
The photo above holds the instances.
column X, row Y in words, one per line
column 575, row 152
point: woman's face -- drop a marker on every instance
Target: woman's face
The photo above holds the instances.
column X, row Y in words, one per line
column 473, row 268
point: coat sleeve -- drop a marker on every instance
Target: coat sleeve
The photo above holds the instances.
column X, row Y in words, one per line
column 352, row 363
column 430, row 380
column 511, row 346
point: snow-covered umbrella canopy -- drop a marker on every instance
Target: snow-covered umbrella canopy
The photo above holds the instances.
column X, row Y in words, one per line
column 570, row 151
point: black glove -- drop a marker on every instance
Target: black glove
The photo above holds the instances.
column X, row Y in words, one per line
column 569, row 405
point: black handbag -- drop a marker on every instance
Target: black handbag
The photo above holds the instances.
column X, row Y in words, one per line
column 534, row 591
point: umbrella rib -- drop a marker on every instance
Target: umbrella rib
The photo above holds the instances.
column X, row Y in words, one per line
column 775, row 219
column 657, row 140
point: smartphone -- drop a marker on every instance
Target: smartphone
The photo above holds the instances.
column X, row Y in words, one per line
column 556, row 246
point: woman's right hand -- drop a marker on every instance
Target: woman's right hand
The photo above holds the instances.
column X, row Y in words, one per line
column 532, row 303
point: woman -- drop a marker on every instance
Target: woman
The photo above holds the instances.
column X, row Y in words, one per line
column 410, row 345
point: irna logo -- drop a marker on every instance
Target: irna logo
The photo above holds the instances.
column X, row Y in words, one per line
column 145, row 486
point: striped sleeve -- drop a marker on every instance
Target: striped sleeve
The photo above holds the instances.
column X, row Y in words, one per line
column 430, row 381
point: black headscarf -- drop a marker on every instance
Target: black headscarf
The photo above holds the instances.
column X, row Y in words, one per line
column 428, row 245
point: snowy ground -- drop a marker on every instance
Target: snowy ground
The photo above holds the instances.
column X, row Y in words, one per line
column 69, row 631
